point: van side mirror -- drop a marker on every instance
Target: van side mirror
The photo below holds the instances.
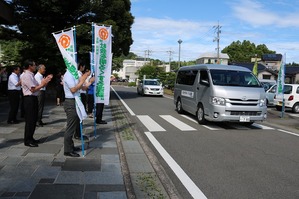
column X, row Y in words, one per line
column 204, row 82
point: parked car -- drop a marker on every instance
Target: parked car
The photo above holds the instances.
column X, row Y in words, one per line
column 270, row 94
column 267, row 83
column 291, row 98
column 150, row 87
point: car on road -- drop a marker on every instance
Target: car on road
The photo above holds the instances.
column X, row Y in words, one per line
column 270, row 94
column 267, row 83
column 291, row 98
column 150, row 87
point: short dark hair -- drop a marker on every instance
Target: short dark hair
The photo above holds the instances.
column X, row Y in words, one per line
column 27, row 63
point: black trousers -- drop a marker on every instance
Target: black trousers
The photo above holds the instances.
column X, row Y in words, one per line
column 41, row 103
column 83, row 99
column 31, row 110
column 14, row 100
column 99, row 111
column 90, row 103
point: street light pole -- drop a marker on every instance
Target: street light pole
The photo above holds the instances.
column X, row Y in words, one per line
column 179, row 41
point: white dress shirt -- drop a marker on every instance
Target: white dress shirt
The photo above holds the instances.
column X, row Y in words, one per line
column 39, row 77
column 69, row 82
column 13, row 80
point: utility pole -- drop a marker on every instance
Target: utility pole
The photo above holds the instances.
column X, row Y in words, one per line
column 146, row 54
column 217, row 38
column 170, row 53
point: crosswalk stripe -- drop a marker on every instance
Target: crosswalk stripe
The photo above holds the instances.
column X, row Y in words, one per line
column 210, row 126
column 262, row 126
column 177, row 123
column 150, row 124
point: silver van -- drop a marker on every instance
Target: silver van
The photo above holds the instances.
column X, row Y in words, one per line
column 220, row 93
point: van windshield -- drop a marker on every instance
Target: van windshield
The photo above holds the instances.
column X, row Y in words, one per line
column 234, row 78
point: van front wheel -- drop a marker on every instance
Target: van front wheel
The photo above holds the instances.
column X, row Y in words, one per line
column 200, row 114
column 179, row 107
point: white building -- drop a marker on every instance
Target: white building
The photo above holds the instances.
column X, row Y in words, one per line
column 130, row 67
column 211, row 58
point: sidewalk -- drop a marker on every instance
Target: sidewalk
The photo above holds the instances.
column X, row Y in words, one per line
column 44, row 172
column 114, row 165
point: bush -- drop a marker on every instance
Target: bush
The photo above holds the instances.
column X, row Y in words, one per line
column 132, row 84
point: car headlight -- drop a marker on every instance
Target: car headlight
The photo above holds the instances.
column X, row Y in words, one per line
column 146, row 88
column 218, row 101
column 262, row 102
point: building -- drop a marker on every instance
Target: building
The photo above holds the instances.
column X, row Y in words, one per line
column 211, row 58
column 130, row 68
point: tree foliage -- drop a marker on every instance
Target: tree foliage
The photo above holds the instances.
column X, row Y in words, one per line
column 242, row 52
column 151, row 72
column 37, row 20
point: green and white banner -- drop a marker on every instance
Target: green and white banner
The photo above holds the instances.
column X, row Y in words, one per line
column 67, row 46
column 102, row 62
column 66, row 43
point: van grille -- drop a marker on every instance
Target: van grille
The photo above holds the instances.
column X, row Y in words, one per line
column 240, row 102
column 247, row 113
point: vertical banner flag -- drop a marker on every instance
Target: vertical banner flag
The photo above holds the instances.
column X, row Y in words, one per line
column 102, row 62
column 254, row 70
column 67, row 46
column 280, row 79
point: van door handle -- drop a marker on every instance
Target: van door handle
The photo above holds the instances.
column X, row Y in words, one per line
column 197, row 88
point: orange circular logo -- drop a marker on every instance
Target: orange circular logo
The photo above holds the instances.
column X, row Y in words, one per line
column 103, row 33
column 65, row 41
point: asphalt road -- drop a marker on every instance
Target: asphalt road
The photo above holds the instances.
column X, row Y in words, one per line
column 219, row 160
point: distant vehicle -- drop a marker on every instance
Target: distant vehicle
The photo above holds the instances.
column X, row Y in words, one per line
column 150, row 87
column 291, row 98
column 220, row 93
column 270, row 94
column 267, row 83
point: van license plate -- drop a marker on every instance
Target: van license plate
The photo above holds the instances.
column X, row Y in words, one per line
column 244, row 119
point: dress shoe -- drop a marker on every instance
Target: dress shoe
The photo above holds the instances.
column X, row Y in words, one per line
column 13, row 122
column 39, row 125
column 71, row 154
column 36, row 141
column 79, row 138
column 42, row 123
column 101, row 122
column 31, row 144
column 76, row 148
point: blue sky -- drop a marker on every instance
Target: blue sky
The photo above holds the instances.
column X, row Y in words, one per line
column 159, row 24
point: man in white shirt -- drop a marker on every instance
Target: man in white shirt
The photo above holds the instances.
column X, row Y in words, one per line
column 39, row 76
column 71, row 88
column 14, row 90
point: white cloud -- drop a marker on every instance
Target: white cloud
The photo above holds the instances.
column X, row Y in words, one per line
column 257, row 14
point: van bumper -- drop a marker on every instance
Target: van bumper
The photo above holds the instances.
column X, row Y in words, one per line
column 244, row 114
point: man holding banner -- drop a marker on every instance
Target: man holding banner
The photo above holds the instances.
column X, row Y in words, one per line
column 72, row 88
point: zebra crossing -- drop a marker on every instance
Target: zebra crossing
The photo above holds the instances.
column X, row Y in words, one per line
column 180, row 124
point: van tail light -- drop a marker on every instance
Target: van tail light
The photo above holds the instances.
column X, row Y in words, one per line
column 291, row 98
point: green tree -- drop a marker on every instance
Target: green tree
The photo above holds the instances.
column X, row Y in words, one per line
column 37, row 20
column 151, row 72
column 240, row 52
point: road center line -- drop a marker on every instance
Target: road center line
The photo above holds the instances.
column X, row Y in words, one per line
column 179, row 172
column 123, row 102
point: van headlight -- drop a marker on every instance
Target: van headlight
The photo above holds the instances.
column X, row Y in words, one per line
column 218, row 101
column 262, row 102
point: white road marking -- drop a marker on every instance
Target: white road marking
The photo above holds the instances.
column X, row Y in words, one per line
column 123, row 102
column 179, row 172
column 150, row 124
column 177, row 123
column 294, row 115
column 262, row 126
column 288, row 132
column 210, row 127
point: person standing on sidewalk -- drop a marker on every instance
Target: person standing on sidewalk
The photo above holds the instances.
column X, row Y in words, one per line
column 14, row 89
column 39, row 76
column 72, row 88
column 81, row 70
column 30, row 91
column 99, row 113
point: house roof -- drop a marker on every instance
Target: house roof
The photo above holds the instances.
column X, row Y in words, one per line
column 271, row 57
column 213, row 55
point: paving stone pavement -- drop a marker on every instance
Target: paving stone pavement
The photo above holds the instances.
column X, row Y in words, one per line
column 44, row 172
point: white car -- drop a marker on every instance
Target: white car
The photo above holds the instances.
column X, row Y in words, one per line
column 291, row 98
column 150, row 87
